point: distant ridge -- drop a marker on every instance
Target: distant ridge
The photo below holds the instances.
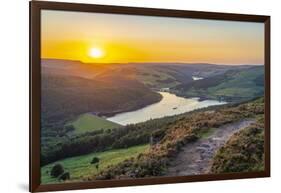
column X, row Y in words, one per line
column 144, row 63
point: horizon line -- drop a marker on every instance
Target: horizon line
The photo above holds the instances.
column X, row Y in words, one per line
column 170, row 62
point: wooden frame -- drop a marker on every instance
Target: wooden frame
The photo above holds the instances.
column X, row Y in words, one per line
column 35, row 87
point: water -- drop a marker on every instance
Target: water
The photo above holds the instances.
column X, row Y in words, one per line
column 197, row 78
column 169, row 105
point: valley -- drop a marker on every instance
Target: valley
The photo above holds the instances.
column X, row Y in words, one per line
column 169, row 105
column 143, row 120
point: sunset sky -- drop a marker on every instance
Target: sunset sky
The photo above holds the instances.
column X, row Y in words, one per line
column 114, row 38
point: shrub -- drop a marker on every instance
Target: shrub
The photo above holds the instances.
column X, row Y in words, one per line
column 95, row 160
column 244, row 152
column 65, row 176
column 57, row 170
column 69, row 128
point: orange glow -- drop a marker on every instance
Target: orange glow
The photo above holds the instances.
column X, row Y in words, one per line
column 112, row 38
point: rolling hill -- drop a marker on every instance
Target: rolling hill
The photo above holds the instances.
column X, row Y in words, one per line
column 192, row 127
column 169, row 136
column 153, row 75
column 71, row 89
column 232, row 86
column 66, row 97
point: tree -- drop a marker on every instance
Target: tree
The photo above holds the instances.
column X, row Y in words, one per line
column 69, row 128
column 57, row 170
column 95, row 160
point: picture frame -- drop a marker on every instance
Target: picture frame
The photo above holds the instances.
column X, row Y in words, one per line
column 35, row 93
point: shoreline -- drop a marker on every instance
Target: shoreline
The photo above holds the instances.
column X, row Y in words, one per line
column 228, row 99
column 170, row 105
column 113, row 113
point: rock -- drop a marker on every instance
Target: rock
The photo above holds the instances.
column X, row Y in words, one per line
column 205, row 145
column 200, row 149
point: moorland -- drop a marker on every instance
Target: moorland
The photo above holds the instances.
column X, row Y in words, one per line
column 80, row 143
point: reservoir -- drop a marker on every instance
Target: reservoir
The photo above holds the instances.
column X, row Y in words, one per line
column 168, row 106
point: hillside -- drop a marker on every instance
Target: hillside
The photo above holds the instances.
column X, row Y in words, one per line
column 71, row 89
column 72, row 68
column 167, row 75
column 232, row 86
column 197, row 157
column 153, row 75
column 80, row 167
column 66, row 97
column 170, row 136
column 170, row 140
column 244, row 151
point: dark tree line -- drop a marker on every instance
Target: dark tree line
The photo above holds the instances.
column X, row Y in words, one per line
column 106, row 139
column 101, row 140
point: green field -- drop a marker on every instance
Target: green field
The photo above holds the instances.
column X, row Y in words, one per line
column 241, row 84
column 80, row 167
column 90, row 122
column 233, row 86
column 155, row 78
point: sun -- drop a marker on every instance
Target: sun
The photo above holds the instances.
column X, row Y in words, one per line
column 96, row 52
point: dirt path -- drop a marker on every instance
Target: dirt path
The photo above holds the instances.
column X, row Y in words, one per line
column 196, row 157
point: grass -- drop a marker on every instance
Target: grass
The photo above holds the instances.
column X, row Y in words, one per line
column 90, row 122
column 80, row 167
column 243, row 152
column 188, row 129
column 242, row 83
column 206, row 132
column 237, row 87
